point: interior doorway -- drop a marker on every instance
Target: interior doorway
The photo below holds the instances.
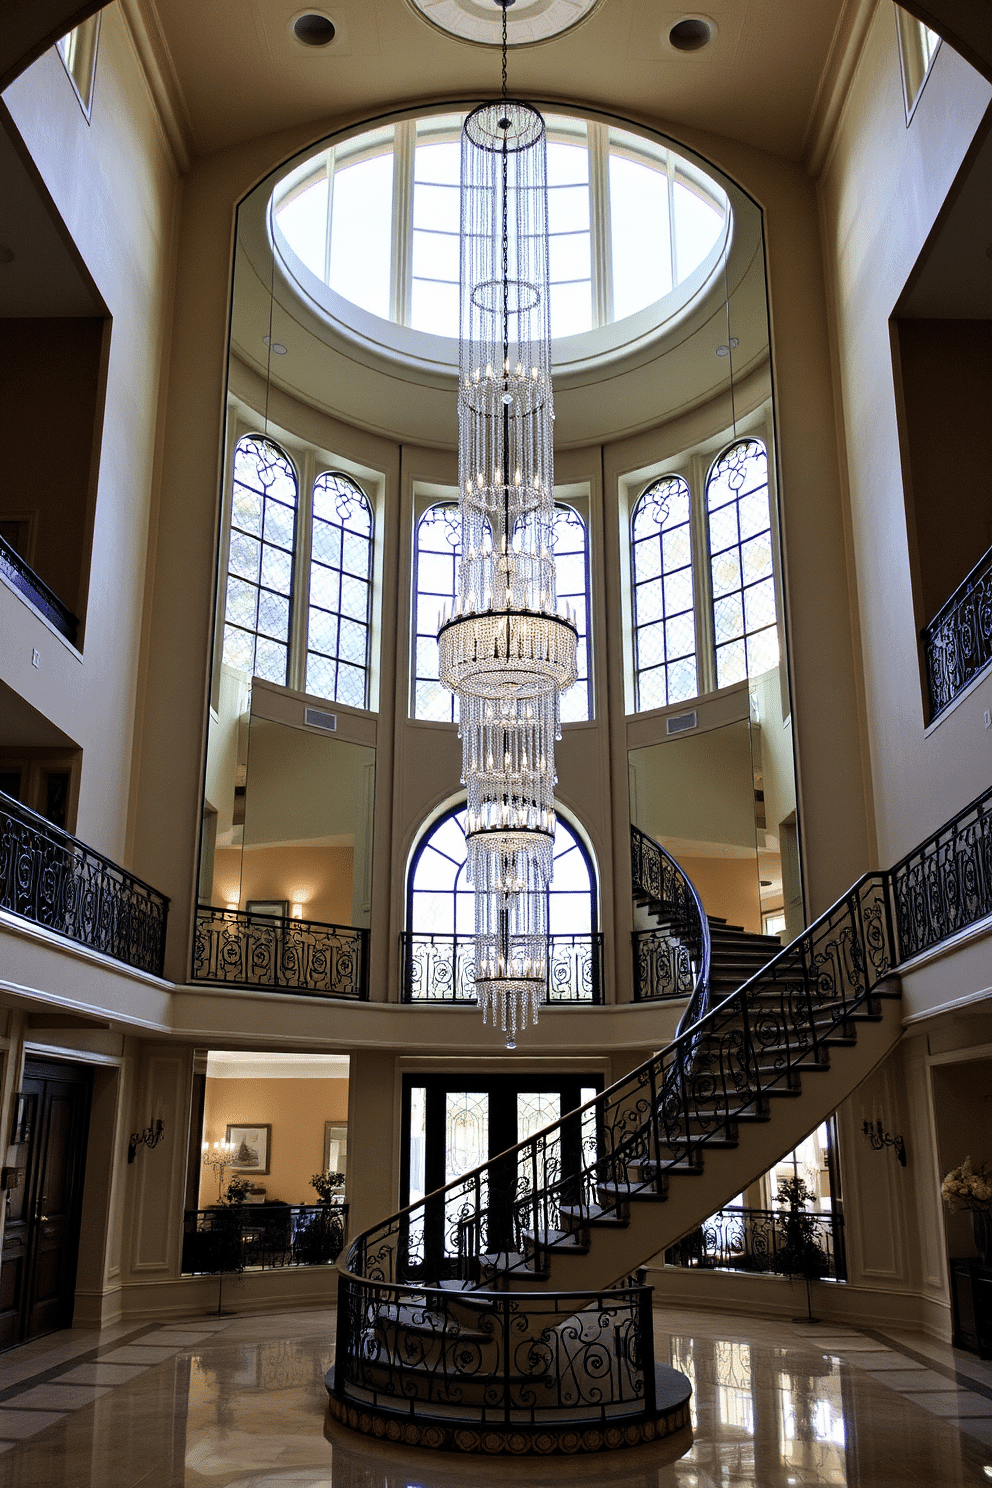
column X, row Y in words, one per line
column 41, row 1235
column 453, row 1123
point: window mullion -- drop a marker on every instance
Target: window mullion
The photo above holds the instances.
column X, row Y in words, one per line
column 673, row 250
column 705, row 641
column 301, row 588
column 401, row 257
column 329, row 167
column 601, row 245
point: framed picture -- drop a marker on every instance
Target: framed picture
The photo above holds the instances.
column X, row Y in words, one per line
column 251, row 1148
column 276, row 909
column 335, row 1146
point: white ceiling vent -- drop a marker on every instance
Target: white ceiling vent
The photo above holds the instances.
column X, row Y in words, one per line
column 316, row 718
column 678, row 723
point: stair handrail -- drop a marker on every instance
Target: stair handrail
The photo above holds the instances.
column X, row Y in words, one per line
column 682, row 897
column 495, row 1219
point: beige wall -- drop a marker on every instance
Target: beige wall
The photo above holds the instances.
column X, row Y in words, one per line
column 728, row 888
column 114, row 182
column 295, row 1109
column 319, row 879
column 880, row 193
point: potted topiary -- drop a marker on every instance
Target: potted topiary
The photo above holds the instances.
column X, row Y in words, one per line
column 799, row 1255
column 322, row 1238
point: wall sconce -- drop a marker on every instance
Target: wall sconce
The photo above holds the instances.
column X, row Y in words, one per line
column 879, row 1138
column 150, row 1137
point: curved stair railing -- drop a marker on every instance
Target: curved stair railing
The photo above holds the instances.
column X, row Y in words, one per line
column 674, row 959
column 425, row 1293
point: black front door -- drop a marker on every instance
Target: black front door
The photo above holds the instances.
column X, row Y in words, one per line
column 454, row 1123
column 41, row 1235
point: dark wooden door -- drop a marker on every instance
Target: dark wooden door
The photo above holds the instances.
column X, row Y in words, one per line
column 41, row 1236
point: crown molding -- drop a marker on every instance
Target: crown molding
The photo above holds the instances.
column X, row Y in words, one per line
column 152, row 50
column 845, row 51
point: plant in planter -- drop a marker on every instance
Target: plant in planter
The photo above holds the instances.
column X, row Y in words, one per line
column 322, row 1238
column 799, row 1255
column 237, row 1191
column 968, row 1187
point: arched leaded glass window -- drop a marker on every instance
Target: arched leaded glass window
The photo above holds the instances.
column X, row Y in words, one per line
column 571, row 547
column 745, row 629
column 664, row 618
column 340, row 609
column 442, row 902
column 260, row 562
column 436, row 550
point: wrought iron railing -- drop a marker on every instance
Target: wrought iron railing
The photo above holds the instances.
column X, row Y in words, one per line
column 53, row 880
column 265, row 1237
column 22, row 577
column 672, row 960
column 946, row 883
column 741, row 1239
column 499, row 1359
column 441, row 968
column 275, row 954
column 501, row 1217
column 957, row 642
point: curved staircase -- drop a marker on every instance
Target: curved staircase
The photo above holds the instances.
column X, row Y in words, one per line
column 489, row 1316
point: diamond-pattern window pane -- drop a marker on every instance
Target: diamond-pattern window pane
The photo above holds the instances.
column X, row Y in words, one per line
column 728, row 618
column 682, row 681
column 277, row 569
column 320, row 676
column 731, row 664
column 762, row 651
column 571, row 550
column 741, row 564
column 664, row 622
column 650, row 602
column 434, row 703
column 260, row 572
column 340, row 584
column 435, row 575
column 271, row 661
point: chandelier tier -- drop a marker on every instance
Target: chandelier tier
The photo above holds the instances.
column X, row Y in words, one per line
column 505, row 650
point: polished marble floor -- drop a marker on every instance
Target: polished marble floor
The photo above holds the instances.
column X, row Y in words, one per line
column 239, row 1402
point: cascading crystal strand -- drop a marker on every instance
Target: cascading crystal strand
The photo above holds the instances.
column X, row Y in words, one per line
column 505, row 650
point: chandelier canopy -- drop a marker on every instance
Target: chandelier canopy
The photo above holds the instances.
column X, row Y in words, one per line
column 506, row 650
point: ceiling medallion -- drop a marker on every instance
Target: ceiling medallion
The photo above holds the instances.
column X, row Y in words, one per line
column 528, row 22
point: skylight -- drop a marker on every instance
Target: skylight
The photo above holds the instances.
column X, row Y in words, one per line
column 376, row 219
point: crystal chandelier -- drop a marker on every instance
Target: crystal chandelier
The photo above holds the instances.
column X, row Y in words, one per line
column 505, row 650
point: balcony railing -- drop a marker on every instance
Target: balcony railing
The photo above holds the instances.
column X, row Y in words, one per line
column 957, row 643
column 53, row 880
column 262, row 1237
column 739, row 1239
column 945, row 884
column 441, row 968
column 273, row 954
column 22, row 577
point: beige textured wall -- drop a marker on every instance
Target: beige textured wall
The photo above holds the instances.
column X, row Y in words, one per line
column 880, row 194
column 115, row 184
column 728, row 888
column 295, row 1109
column 318, row 878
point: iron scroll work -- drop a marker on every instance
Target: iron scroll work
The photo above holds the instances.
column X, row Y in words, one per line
column 22, row 577
column 673, row 960
column 957, row 643
column 276, row 954
column 56, row 881
column 441, row 968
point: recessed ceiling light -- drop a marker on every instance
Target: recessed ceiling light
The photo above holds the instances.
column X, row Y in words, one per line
column 691, row 34
column 313, row 29
column 765, row 883
column 277, row 346
column 726, row 350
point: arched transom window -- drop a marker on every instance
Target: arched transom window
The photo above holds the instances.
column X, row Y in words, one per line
column 663, row 598
column 339, row 620
column 261, row 560
column 745, row 629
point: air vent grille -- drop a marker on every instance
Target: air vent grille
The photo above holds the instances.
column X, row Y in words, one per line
column 678, row 723
column 316, row 718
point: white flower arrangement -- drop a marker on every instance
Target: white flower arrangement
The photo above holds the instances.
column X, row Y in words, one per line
column 968, row 1187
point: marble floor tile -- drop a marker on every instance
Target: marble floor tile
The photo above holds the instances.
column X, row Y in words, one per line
column 98, row 1373
column 979, row 1429
column 135, row 1353
column 880, row 1359
column 912, row 1379
column 58, row 1396
column 951, row 1402
column 172, row 1338
column 15, row 1424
